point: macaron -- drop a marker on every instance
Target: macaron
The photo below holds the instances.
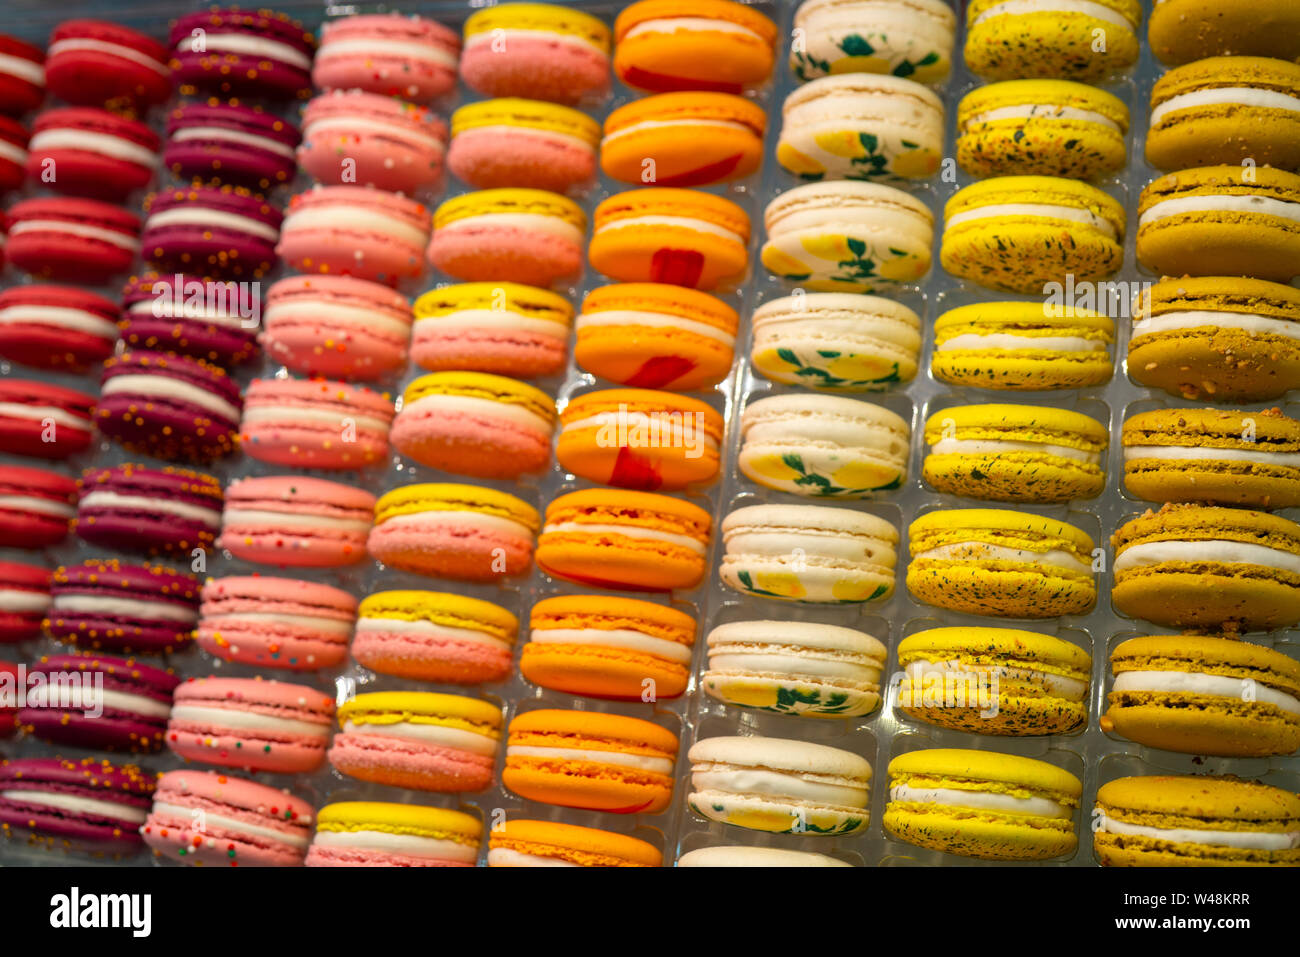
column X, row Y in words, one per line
column 315, row 423
column 376, row 834
column 995, row 807
column 1086, row 42
column 823, row 446
column 737, row 855
column 108, row 605
column 22, row 76
column 530, row 144
column 169, row 406
column 44, row 421
column 1183, row 30
column 36, row 506
column 520, row 843
column 994, row 681
column 1213, row 456
column 640, row 438
column 1204, row 695
column 1001, row 563
column 543, row 50
column 720, row 45
column 462, row 532
column 683, row 139
column 278, row 623
column 1203, row 821
column 1208, row 567
column 260, row 53
column 434, row 636
column 836, row 342
column 418, row 740
column 131, row 508
column 524, row 235
column 1022, row 347
column 13, row 153
column 780, row 786
column 250, row 723
column 96, row 63
column 350, row 136
column 655, row 336
column 608, row 647
column 228, row 142
column 847, row 237
column 203, row 817
column 640, row 541
column 1225, row 110
column 206, row 319
column 1015, row 453
column 1041, row 128
column 505, row 328
column 61, row 328
column 908, row 38
column 295, row 521
column 87, row 805
column 24, row 601
column 97, row 702
column 62, row 238
column 355, row 231
column 86, row 151
column 337, row 327
column 1218, row 339
column 222, row 231
column 800, row 668
column 679, row 236
column 1022, row 233
column 472, row 423
column 411, row 57
column 8, row 713
column 861, row 126
column 1219, row 220
column 808, row 553
column 590, row 760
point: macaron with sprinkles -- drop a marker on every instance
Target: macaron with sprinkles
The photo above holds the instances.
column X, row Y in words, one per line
column 1085, row 41
column 228, row 142
column 35, row 792
column 355, row 231
column 167, row 511
column 204, row 319
column 410, row 57
column 379, row 834
column 226, row 231
column 109, row 605
column 255, row 52
column 315, row 423
column 530, row 144
column 296, row 521
column 278, row 623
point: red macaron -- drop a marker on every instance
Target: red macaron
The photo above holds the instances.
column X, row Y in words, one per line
column 22, row 76
column 44, row 421
column 94, row 62
column 13, row 153
column 56, row 327
column 81, row 240
column 36, row 506
column 24, row 601
column 84, row 151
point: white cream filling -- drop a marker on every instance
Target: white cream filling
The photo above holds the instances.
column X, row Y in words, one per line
column 263, row 48
column 222, row 719
column 507, row 857
column 103, row 499
column 413, row 845
column 33, row 73
column 38, row 696
column 994, row 446
column 630, row 531
column 1208, row 550
column 653, row 320
column 113, row 49
column 429, row 629
column 1062, row 686
column 614, row 638
column 641, row 762
column 350, row 125
column 774, row 661
column 313, row 622
column 187, row 815
column 1258, row 205
column 166, row 310
column 375, row 46
column 165, row 388
column 473, row 319
column 77, row 805
column 1042, row 111
column 673, row 222
column 339, row 215
column 19, row 410
column 210, row 218
column 464, row 517
column 314, row 311
column 1232, row 95
column 22, row 600
column 980, row 800
column 234, row 136
column 1198, row 682
column 988, row 552
column 90, row 141
column 1243, row 840
column 645, row 125
column 439, row 405
column 778, row 784
column 1095, row 10
column 253, row 516
column 526, row 222
column 13, row 152
column 42, row 506
column 1199, row 318
column 62, row 317
column 293, row 415
column 123, row 608
column 436, row 734
column 690, row 24
column 670, row 432
column 112, row 236
column 1043, row 210
column 1202, row 453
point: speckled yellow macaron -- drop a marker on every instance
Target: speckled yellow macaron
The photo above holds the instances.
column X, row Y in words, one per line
column 1022, row 346
column 994, row 681
column 1020, row 233
column 1015, row 453
column 1069, row 40
column 1001, row 563
column 997, row 807
column 1184, row 30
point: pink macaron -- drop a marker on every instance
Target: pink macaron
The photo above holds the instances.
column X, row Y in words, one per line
column 520, row 235
column 315, row 423
column 530, row 49
column 62, row 328
column 355, row 231
column 336, row 326
column 250, row 723
column 276, row 622
column 372, row 140
column 95, row 63
column 80, row 240
column 213, row 819
column 290, row 520
column 85, row 151
column 410, row 57
column 522, row 143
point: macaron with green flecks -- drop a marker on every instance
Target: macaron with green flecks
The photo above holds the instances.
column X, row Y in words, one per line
column 1066, row 39
column 908, row 38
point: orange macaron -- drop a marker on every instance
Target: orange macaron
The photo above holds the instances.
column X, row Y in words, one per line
column 611, row 538
column 683, row 139
column 693, row 45
column 640, row 438
column 584, row 759
column 608, row 647
column 656, row 336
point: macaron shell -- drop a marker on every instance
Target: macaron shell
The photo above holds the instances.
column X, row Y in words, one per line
column 315, row 423
column 522, row 143
column 907, row 39
column 726, row 46
column 1184, row 30
column 569, row 844
column 119, row 66
column 553, row 53
column 26, row 592
column 282, row 72
column 307, row 522
column 275, row 622
column 34, row 507
column 411, row 57
column 355, row 231
column 1042, row 42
